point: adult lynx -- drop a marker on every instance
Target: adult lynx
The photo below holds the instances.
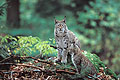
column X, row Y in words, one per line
column 64, row 38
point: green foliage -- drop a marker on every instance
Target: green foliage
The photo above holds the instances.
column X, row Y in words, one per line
column 100, row 21
column 50, row 9
column 98, row 63
column 28, row 46
column 2, row 7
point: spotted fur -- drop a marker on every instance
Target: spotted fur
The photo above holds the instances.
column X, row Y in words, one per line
column 64, row 38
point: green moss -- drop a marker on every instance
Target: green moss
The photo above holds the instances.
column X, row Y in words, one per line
column 98, row 63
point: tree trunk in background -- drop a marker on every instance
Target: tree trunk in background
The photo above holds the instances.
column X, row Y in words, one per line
column 13, row 14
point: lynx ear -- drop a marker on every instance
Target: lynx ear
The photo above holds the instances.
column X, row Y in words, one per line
column 56, row 21
column 64, row 20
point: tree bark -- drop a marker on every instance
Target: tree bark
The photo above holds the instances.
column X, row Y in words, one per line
column 13, row 14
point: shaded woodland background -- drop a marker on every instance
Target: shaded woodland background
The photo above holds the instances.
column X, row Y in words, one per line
column 95, row 22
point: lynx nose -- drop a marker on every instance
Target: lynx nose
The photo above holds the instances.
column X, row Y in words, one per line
column 60, row 28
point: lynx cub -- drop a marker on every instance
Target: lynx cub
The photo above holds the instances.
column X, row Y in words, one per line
column 64, row 38
column 81, row 62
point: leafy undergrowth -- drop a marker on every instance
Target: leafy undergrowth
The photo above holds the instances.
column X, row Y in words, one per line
column 27, row 45
column 18, row 61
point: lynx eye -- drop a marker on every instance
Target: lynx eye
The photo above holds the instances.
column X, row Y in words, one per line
column 60, row 25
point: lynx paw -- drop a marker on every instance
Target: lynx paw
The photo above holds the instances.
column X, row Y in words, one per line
column 57, row 60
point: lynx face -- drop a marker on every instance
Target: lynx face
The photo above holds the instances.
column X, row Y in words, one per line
column 60, row 27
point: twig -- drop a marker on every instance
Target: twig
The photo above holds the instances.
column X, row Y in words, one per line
column 18, row 57
column 65, row 71
column 43, row 61
column 5, row 59
column 53, row 46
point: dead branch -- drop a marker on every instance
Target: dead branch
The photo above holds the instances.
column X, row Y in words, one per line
column 5, row 59
column 65, row 71
column 53, row 46
column 25, row 57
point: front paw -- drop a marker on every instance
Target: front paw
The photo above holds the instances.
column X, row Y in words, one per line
column 57, row 60
column 64, row 61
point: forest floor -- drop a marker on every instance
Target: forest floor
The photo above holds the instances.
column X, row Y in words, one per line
column 27, row 68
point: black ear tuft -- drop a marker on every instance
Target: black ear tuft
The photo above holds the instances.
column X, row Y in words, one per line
column 56, row 21
column 64, row 20
column 64, row 17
